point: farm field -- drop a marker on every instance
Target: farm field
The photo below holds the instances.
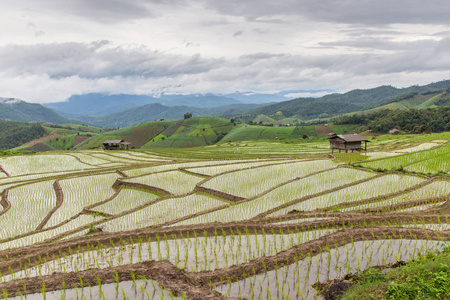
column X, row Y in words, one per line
column 240, row 220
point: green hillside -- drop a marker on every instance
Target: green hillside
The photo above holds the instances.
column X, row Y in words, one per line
column 13, row 134
column 203, row 131
column 314, row 109
column 433, row 119
column 59, row 137
column 245, row 132
column 192, row 132
column 137, row 135
column 18, row 110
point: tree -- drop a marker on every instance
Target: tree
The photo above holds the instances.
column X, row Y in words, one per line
column 187, row 115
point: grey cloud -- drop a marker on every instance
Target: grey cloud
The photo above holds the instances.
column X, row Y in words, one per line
column 364, row 32
column 106, row 11
column 31, row 26
column 382, row 44
column 262, row 71
column 236, row 34
column 348, row 12
column 442, row 33
column 97, row 60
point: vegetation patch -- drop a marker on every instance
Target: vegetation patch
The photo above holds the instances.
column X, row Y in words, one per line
column 427, row 277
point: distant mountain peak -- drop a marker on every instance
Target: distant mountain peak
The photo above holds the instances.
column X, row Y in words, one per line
column 10, row 100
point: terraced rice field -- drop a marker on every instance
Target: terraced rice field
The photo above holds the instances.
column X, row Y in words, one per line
column 136, row 225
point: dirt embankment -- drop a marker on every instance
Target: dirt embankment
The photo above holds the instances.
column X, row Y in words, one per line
column 59, row 201
column 4, row 171
column 5, row 202
column 170, row 277
column 43, row 139
column 197, row 285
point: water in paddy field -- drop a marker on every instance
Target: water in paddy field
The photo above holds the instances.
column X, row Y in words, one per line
column 191, row 254
column 142, row 289
column 295, row 281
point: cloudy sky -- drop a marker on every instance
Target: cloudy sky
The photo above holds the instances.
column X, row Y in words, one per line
column 52, row 49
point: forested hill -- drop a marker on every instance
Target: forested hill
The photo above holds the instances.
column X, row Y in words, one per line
column 335, row 104
column 13, row 134
column 18, row 110
column 428, row 120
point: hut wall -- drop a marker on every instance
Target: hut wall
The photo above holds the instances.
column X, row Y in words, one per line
column 337, row 145
column 353, row 145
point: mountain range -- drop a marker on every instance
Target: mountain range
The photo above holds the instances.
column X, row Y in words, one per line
column 336, row 104
column 157, row 111
column 126, row 110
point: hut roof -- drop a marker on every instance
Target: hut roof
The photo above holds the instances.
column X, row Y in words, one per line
column 113, row 141
column 349, row 137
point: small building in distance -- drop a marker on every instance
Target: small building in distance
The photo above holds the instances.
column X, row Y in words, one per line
column 116, row 145
column 395, row 131
column 347, row 142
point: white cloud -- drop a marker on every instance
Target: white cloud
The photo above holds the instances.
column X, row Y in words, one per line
column 51, row 49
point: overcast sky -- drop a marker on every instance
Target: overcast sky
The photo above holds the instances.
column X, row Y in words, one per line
column 52, row 49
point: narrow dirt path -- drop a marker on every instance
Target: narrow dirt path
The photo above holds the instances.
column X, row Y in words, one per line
column 4, row 171
column 59, row 201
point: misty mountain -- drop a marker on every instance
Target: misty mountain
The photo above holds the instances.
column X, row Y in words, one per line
column 157, row 111
column 17, row 110
column 96, row 104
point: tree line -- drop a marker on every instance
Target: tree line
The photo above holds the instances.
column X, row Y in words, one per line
column 413, row 120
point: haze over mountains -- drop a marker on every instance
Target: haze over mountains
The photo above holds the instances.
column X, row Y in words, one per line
column 96, row 104
column 127, row 110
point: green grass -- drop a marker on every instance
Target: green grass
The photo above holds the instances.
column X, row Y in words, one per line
column 246, row 132
column 343, row 129
column 192, row 132
column 264, row 119
column 61, row 143
column 72, row 129
column 137, row 135
column 426, row 278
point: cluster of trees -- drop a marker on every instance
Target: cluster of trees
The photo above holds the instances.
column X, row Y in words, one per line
column 445, row 99
column 260, row 123
column 413, row 120
column 14, row 134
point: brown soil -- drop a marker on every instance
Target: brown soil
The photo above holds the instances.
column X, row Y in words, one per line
column 322, row 129
column 220, row 194
column 119, row 183
column 43, row 139
column 169, row 276
column 80, row 138
column 40, row 147
column 336, row 288
column 79, row 159
column 5, row 202
column 4, row 171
